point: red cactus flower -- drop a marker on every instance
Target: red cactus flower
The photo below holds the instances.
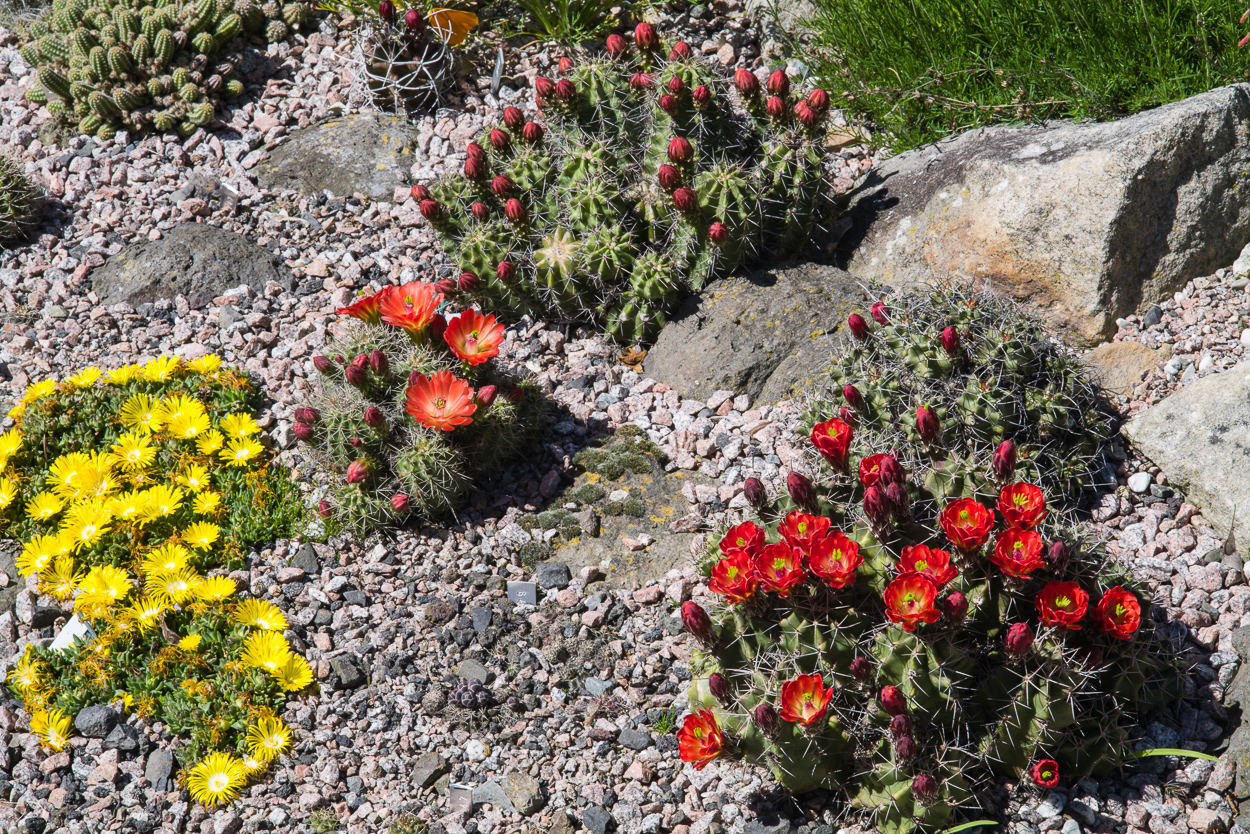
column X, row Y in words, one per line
column 473, row 151
column 818, row 100
column 1062, row 605
column 675, row 85
column 950, row 341
column 640, row 81
column 681, row 52
column 515, row 211
column 544, row 87
column 834, row 558
column 378, row 362
column 302, row 431
column 357, row 471
column 805, row 700
column 870, row 469
column 806, row 115
column 696, row 620
column 645, row 36
column 877, row 506
column 720, row 688
column 505, row 271
column 956, row 606
column 699, row 740
column 668, row 103
column 893, row 701
column 430, row 210
column 440, row 401
column 846, row 415
column 1017, row 552
column 445, row 285
column 701, row 96
column 565, row 64
column 532, row 132
column 356, row 375
column 486, row 395
column 420, row 192
column 779, row 84
column 832, row 439
column 891, row 471
column 616, row 45
column 747, row 537
column 411, row 306
column 775, row 107
column 1056, row 555
column 475, row 168
column 668, row 177
column 924, row 788
column 801, row 490
column 513, row 118
column 1019, row 639
column 966, row 523
column 910, row 600
column 881, row 312
column 779, row 568
column 927, row 425
column 899, row 500
column 1118, row 613
column 753, row 491
column 474, row 338
column 365, row 309
column 746, row 82
column 438, row 325
column 386, row 11
column 1045, row 774
column 680, row 150
column 686, row 200
column 400, row 502
column 1022, row 505
column 734, row 577
column 852, row 396
column 801, row 530
column 931, row 563
column 1004, row 462
column 565, row 90
column 468, row 281
column 480, row 212
column 718, row 233
column 858, row 326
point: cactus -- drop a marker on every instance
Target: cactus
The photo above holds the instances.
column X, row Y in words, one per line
column 106, row 64
column 895, row 644
column 19, row 200
column 650, row 179
column 405, row 70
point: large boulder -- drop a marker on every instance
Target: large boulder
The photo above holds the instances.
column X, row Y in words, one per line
column 1088, row 221
column 1200, row 438
column 765, row 334
column 368, row 154
column 194, row 260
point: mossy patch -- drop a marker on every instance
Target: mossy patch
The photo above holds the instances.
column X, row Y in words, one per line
column 629, row 450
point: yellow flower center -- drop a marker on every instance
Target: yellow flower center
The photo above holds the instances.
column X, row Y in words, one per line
column 218, row 782
column 732, row 573
column 921, row 564
column 440, row 403
column 963, row 515
column 779, row 563
column 1119, row 609
column 1062, row 602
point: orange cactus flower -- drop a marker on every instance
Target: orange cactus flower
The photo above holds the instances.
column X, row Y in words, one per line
column 441, row 401
column 804, row 700
column 1018, row 552
column 474, row 338
column 366, row 309
column 779, row 568
column 909, row 600
column 966, row 523
column 1062, row 605
column 734, row 577
column 745, row 536
column 1022, row 505
column 931, row 563
column 835, row 559
column 410, row 307
column 832, row 439
column 802, row 530
column 699, row 740
column 1118, row 613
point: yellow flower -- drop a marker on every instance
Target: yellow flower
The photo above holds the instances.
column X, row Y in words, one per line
column 86, row 523
column 268, row 738
column 102, row 586
column 260, row 613
column 195, row 478
column 52, row 726
column 162, row 500
column 265, row 650
column 129, row 507
column 180, row 405
column 239, row 425
column 10, row 442
column 190, row 643
column 176, row 586
column 200, row 535
column 216, row 588
column 240, row 451
column 168, row 558
column 209, row 442
column 207, row 502
column 135, row 450
column 161, row 368
column 205, row 364
column 252, row 764
column 216, row 780
column 147, row 611
column 141, row 412
column 8, row 491
column 188, row 426
column 43, row 506
column 37, row 554
column 36, row 392
column 294, row 674
column 28, row 674
column 123, row 375
column 71, row 475
column 85, row 377
column 60, row 580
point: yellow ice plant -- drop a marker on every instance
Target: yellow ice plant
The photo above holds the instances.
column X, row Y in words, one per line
column 206, row 503
column 53, row 726
column 44, row 506
column 85, row 377
column 34, row 393
column 161, row 369
column 260, row 613
column 71, row 475
column 195, row 478
column 188, row 426
column 28, row 674
column 239, row 425
column 87, row 523
column 123, row 375
column 130, row 506
column 201, row 535
column 142, row 412
column 216, row 589
column 103, row 586
column 8, row 491
column 240, row 451
column 162, row 500
column 168, row 558
column 190, row 643
column 205, row 364
column 10, row 442
column 265, row 650
column 209, row 442
column 217, row 779
column 147, row 611
column 252, row 764
column 37, row 554
column 176, row 586
column 60, row 580
column 268, row 738
column 135, row 450
column 294, row 674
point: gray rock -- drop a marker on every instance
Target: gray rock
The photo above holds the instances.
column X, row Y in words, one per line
column 1052, row 805
column 365, row 153
column 473, row 670
column 1070, row 827
column 481, row 619
column 427, row 768
column 778, row 21
column 766, row 334
column 774, row 825
column 524, row 792
column 597, row 687
column 1241, row 266
column 552, row 575
column 160, row 770
column 348, row 673
column 8, row 566
column 1200, row 438
column 96, row 721
column 634, row 739
column 493, row 793
column 306, row 560
column 562, row 824
column 1088, row 221
column 123, row 738
column 193, row 260
column 596, row 819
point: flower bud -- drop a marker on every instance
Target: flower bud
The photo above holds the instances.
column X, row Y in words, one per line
column 876, row 505
column 881, row 312
column 806, row 115
column 775, row 107
column 1090, row 657
column 517, row 394
column 414, row 21
column 565, row 90
column 323, row 364
column 899, row 500
column 355, row 375
column 386, row 11
column 502, row 186
column 766, row 718
column 1019, row 639
column 696, row 620
column 486, row 395
column 357, row 471
column 374, row 418
column 532, row 132
column 924, row 788
column 420, row 192
column 475, row 168
column 852, row 396
column 640, row 81
column 676, row 86
column 323, row 509
column 847, row 415
column 858, row 325
column 474, row 151
column 746, row 82
column 681, row 52
column 505, row 271
column 668, row 103
column 1057, row 554
column 499, row 139
column 645, row 36
column 685, row 200
column 861, row 669
column 718, row 233
column 302, row 431
column 355, row 443
column 889, row 471
column 378, row 363
column 480, row 212
column 701, row 96
column 905, row 748
column 753, row 491
column 893, row 700
column 1004, row 462
column 468, row 281
column 400, row 502
column 513, row 118
column 669, row 177
column 900, row 725
column 956, row 606
column 927, row 425
column 565, row 65
column 950, row 341
column 544, row 86
column 307, row 415
column 779, row 84
column 361, row 360
column 616, row 45
column 801, row 490
column 438, row 326
column 720, row 688
column 680, row 150
column 818, row 100
column 514, row 210
column 430, row 210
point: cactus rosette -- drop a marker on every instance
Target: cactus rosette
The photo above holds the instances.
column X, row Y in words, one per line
column 410, row 408
column 649, row 178
column 906, row 630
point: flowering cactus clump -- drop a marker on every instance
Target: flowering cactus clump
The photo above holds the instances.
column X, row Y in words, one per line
column 918, row 619
column 649, row 178
column 410, row 408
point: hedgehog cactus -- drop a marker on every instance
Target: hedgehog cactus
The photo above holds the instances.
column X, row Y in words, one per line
column 162, row 64
column 19, row 200
column 651, row 178
column 405, row 62
column 896, row 628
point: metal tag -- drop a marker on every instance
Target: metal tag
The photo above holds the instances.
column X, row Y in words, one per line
column 523, row 593
column 74, row 630
column 460, row 797
column 496, row 77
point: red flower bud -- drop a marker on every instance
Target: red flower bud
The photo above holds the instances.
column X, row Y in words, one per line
column 806, row 115
column 355, row 375
column 499, row 139
column 565, row 90
column 514, row 210
column 861, row 669
column 1019, row 639
column 746, row 82
column 701, row 96
column 680, row 150
column 378, row 363
column 502, row 186
column 374, row 418
column 779, row 84
column 386, row 11
column 775, row 107
column 438, row 326
column 474, row 151
column 565, row 65
column 753, row 491
column 486, row 395
column 905, row 749
column 361, row 360
column 889, row 471
column 676, row 86
column 924, row 788
column 899, row 500
column 900, row 725
column 681, row 52
column 480, row 212
column 858, row 325
column 881, row 312
column 696, row 620
column 801, row 490
column 505, row 271
column 357, row 471
column 413, row 376
column 668, row 176
column 513, row 118
column 645, row 36
column 420, row 192
column 848, row 416
column 430, row 210
column 355, row 443
column 400, row 502
column 766, row 718
column 876, row 505
column 468, row 281
column 1057, row 554
column 668, row 103
column 616, row 45
column 686, row 200
column 720, row 688
column 640, row 81
column 852, row 396
column 517, row 394
column 532, row 132
column 544, row 86
column 1090, row 657
column 307, row 415
column 818, row 100
column 950, row 341
column 927, row 425
column 955, row 605
column 1004, row 463
column 303, row 431
column 414, row 21
column 445, row 285
column 323, row 365
column 718, row 233
column 323, row 509
column 892, row 700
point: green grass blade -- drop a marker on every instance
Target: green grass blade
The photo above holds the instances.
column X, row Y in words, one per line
column 1172, row 751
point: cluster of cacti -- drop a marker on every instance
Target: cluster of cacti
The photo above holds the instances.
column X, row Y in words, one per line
column 852, row 652
column 404, row 60
column 140, row 64
column 19, row 200
column 650, row 178
column 410, row 409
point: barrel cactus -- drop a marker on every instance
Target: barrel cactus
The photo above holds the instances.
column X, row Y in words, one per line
column 651, row 177
column 142, row 64
column 920, row 618
column 19, row 200
column 406, row 59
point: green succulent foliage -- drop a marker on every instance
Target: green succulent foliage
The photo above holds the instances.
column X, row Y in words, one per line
column 600, row 239
column 978, row 713
column 135, row 65
column 19, row 200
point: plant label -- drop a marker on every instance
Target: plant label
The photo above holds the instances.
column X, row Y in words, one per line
column 460, row 798
column 523, row 593
column 73, row 631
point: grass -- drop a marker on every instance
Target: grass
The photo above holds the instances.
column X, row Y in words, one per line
column 921, row 69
